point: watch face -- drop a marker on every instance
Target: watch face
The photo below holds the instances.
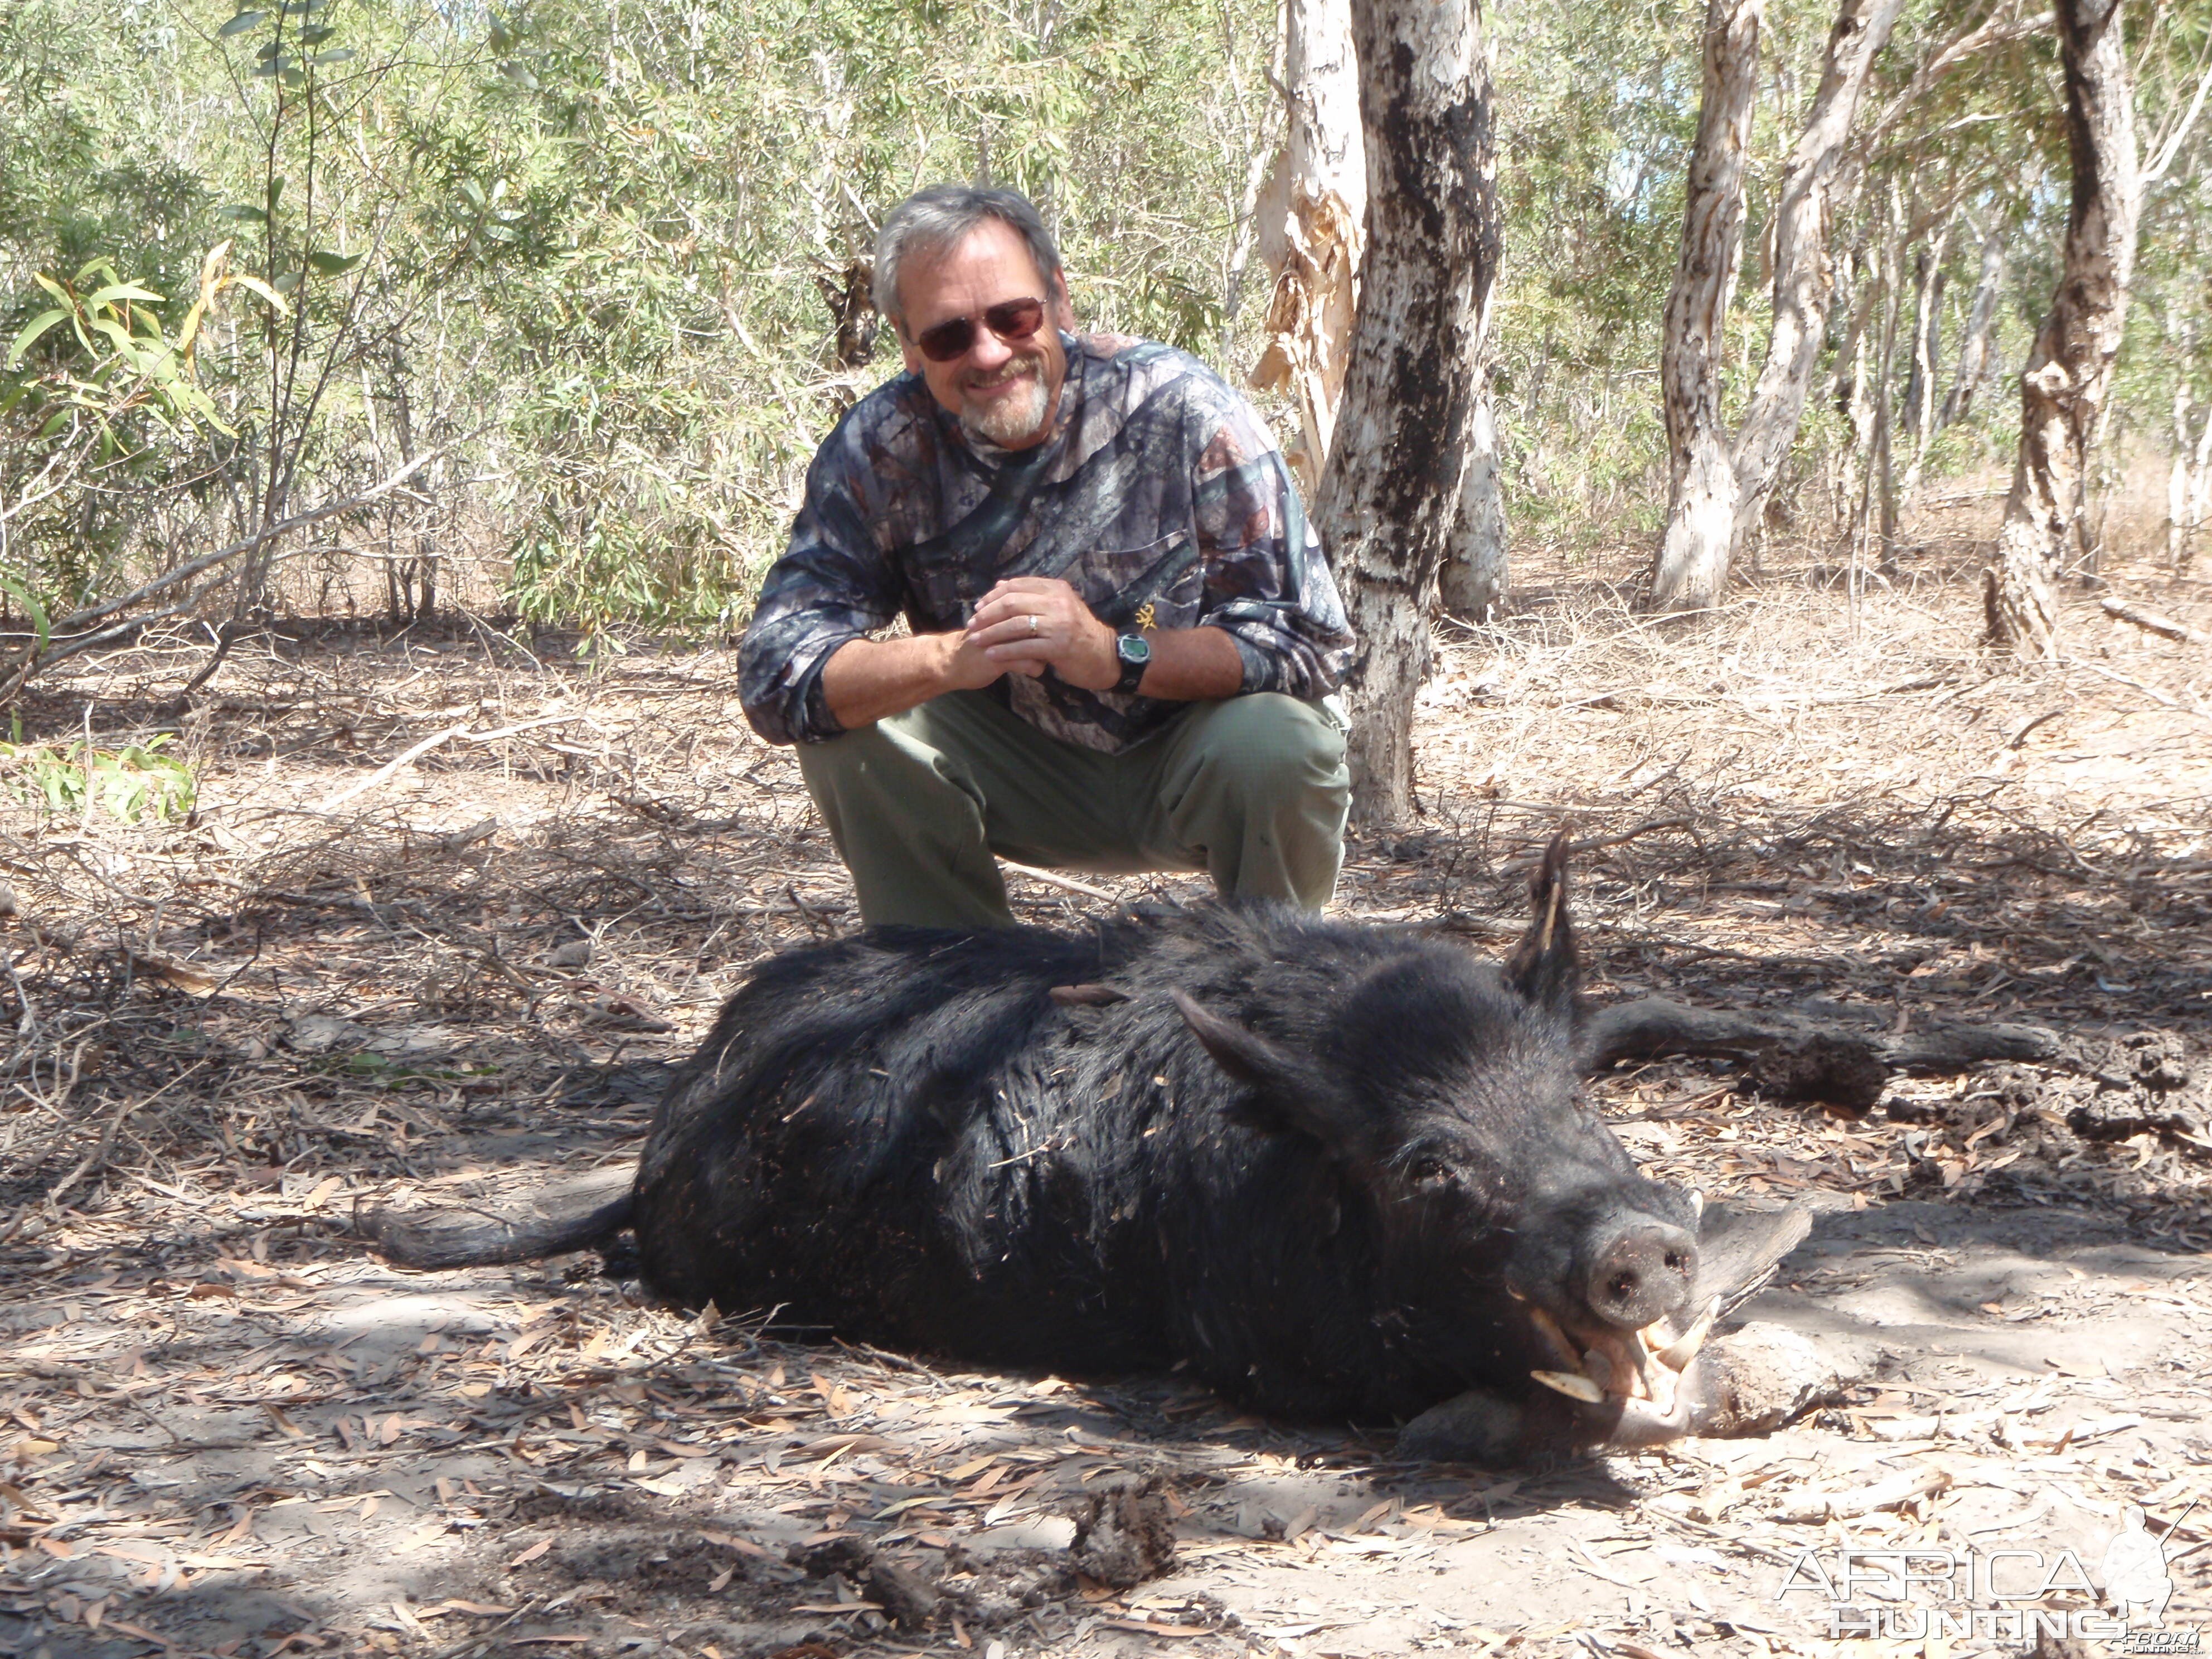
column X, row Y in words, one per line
column 1134, row 648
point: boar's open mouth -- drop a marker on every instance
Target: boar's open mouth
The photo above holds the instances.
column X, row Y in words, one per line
column 1645, row 1372
column 1598, row 1364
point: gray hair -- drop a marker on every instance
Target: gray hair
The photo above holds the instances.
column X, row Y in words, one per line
column 940, row 216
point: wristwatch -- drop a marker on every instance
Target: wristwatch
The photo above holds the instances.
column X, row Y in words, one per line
column 1134, row 651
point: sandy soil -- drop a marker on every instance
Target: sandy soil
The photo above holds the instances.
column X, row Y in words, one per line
column 457, row 979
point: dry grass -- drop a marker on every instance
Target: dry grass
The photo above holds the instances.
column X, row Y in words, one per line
column 346, row 979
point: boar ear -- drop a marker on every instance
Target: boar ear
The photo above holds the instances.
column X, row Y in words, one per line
column 1287, row 1088
column 1543, row 967
column 1244, row 1055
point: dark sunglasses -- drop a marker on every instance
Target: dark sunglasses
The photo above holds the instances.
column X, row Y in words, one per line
column 1011, row 320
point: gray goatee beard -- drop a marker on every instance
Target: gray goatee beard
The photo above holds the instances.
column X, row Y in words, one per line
column 1009, row 419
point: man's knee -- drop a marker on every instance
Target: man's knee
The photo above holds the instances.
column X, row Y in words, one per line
column 1267, row 746
column 888, row 774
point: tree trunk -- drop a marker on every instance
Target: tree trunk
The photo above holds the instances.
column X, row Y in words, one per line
column 1928, row 282
column 1690, row 567
column 1313, row 228
column 1390, row 493
column 1847, row 391
column 2069, row 372
column 2177, row 484
column 1475, row 579
column 1927, row 352
column 1884, row 477
column 2199, row 508
column 1812, row 185
column 1976, row 362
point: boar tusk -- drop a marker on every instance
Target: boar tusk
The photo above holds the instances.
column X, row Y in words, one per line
column 1697, row 1204
column 1554, row 1338
column 1659, row 1383
column 1572, row 1385
column 1677, row 1356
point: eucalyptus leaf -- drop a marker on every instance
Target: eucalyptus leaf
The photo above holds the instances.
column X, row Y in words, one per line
column 333, row 265
column 32, row 330
column 238, row 24
column 21, row 592
column 110, row 294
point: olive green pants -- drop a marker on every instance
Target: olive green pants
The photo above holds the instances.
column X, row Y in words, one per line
column 1251, row 790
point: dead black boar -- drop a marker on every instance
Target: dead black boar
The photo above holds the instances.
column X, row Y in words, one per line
column 1338, row 1172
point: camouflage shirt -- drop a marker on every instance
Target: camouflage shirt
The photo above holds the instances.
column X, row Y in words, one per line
column 1159, row 497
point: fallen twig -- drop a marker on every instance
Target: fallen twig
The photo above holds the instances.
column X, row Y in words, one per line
column 1066, row 883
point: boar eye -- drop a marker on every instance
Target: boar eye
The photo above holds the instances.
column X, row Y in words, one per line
column 1430, row 1172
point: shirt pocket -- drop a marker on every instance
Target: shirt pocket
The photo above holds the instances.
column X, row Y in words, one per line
column 1158, row 585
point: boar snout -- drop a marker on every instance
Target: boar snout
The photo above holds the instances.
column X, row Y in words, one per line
column 1641, row 1272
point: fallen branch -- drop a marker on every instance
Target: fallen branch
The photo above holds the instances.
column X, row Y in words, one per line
column 407, row 758
column 78, row 621
column 1795, row 1059
column 2152, row 622
column 117, row 634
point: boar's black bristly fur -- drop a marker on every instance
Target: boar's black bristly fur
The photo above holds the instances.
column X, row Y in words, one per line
column 1329, row 1167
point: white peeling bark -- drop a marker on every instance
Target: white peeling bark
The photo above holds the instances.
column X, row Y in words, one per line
column 1313, row 228
column 1976, row 362
column 1690, row 567
column 1391, row 490
column 1476, row 577
column 1812, row 185
column 2070, row 372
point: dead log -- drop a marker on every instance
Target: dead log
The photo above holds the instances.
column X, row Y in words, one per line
column 1791, row 1058
column 2153, row 621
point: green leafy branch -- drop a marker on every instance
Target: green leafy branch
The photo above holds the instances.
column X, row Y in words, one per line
column 131, row 361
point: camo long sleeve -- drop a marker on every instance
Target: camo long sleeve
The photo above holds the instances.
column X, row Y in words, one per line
column 1160, row 498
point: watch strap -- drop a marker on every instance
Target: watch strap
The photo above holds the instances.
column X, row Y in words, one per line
column 1133, row 669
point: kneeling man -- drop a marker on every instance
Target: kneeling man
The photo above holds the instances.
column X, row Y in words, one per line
column 1122, row 631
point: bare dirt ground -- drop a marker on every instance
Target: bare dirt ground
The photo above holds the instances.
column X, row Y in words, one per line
column 451, row 901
